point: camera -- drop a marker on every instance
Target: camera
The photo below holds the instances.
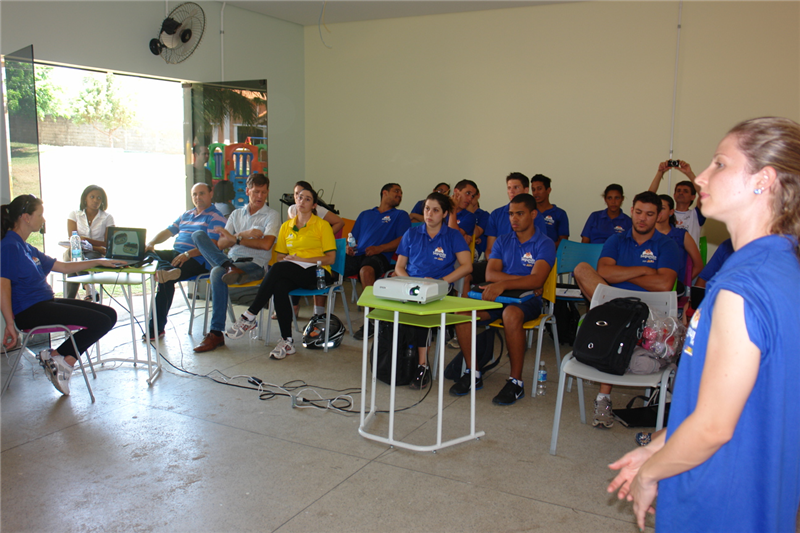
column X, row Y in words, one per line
column 673, row 162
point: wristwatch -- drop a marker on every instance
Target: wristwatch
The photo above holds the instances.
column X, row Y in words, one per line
column 238, row 240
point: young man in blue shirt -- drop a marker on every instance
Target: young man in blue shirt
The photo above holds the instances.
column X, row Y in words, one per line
column 464, row 220
column 555, row 219
column 377, row 232
column 521, row 259
column 641, row 259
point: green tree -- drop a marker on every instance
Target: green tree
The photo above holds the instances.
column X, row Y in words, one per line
column 219, row 104
column 20, row 99
column 101, row 106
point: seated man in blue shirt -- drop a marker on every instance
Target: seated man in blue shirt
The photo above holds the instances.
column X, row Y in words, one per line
column 377, row 232
column 641, row 259
column 416, row 213
column 184, row 261
column 521, row 259
column 555, row 219
column 465, row 220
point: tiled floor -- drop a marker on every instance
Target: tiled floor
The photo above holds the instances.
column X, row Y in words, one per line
column 188, row 454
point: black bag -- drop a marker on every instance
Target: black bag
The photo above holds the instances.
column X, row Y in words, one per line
column 484, row 355
column 406, row 362
column 567, row 318
column 609, row 334
column 641, row 417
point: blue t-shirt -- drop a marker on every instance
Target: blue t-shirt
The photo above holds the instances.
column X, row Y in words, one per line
column 482, row 221
column 499, row 224
column 659, row 251
column 466, row 220
column 724, row 251
column 556, row 222
column 431, row 258
column 419, row 208
column 373, row 228
column 678, row 235
column 752, row 483
column 599, row 226
column 27, row 269
column 519, row 257
column 189, row 222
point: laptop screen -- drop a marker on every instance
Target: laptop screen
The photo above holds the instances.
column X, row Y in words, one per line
column 125, row 243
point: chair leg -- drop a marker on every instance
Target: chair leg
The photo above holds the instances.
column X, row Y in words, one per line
column 269, row 322
column 192, row 307
column 347, row 313
column 14, row 366
column 80, row 363
column 557, row 416
column 581, row 401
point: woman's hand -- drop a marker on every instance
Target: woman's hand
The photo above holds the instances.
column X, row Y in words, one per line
column 628, row 466
column 10, row 336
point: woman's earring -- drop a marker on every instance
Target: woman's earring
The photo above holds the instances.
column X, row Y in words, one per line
column 758, row 191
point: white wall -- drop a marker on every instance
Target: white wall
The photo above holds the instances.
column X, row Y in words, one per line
column 581, row 92
column 115, row 35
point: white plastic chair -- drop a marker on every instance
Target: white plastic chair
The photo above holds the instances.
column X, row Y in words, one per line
column 665, row 302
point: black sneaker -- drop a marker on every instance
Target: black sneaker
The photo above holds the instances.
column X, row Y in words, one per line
column 461, row 387
column 359, row 335
column 510, row 393
column 421, row 377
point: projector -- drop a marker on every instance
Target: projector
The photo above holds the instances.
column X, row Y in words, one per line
column 404, row 289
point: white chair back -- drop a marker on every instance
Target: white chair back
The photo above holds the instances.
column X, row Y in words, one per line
column 665, row 302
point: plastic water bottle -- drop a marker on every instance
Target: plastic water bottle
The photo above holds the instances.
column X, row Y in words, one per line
column 75, row 246
column 541, row 380
column 351, row 242
column 320, row 276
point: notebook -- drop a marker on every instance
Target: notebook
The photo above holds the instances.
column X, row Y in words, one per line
column 513, row 296
column 126, row 244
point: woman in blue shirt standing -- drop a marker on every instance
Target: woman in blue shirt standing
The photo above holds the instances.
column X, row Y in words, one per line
column 431, row 250
column 729, row 458
column 28, row 301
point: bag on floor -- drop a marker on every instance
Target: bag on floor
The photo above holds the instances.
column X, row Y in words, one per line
column 407, row 354
column 641, row 417
column 484, row 355
column 609, row 334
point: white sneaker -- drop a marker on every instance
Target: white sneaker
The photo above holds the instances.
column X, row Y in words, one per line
column 282, row 349
column 603, row 417
column 57, row 370
column 242, row 326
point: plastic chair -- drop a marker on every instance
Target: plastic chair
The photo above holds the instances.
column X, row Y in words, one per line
column 231, row 314
column 191, row 305
column 547, row 317
column 330, row 291
column 667, row 303
column 568, row 255
column 52, row 328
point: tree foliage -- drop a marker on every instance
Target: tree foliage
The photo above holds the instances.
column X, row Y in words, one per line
column 101, row 105
column 20, row 77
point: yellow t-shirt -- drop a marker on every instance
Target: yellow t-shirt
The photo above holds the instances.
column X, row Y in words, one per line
column 313, row 240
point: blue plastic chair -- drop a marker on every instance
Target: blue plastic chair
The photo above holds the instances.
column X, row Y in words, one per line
column 568, row 256
column 330, row 291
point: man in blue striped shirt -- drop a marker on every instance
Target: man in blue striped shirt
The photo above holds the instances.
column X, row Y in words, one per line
column 184, row 261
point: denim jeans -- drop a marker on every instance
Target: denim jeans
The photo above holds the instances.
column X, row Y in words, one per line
column 219, row 291
column 166, row 291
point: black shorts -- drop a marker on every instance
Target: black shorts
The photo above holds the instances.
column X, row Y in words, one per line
column 378, row 263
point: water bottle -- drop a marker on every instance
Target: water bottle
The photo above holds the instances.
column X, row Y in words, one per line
column 541, row 380
column 320, row 276
column 75, row 246
column 351, row 242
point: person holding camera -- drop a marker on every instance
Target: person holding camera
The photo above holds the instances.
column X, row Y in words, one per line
column 685, row 193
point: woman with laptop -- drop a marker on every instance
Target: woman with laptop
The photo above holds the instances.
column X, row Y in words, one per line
column 28, row 301
column 91, row 221
column 432, row 250
column 729, row 458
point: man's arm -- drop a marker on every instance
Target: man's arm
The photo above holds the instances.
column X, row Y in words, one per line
column 662, row 168
column 662, row 281
column 608, row 269
column 390, row 246
column 502, row 282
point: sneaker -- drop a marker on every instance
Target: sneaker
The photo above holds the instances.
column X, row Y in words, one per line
column 359, row 335
column 453, row 343
column 510, row 393
column 242, row 326
column 421, row 377
column 282, row 349
column 57, row 370
column 152, row 338
column 461, row 387
column 164, row 276
column 603, row 416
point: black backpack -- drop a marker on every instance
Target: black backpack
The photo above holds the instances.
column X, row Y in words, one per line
column 406, row 362
column 484, row 355
column 609, row 334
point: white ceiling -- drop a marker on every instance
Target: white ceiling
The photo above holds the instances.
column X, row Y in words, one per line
column 307, row 12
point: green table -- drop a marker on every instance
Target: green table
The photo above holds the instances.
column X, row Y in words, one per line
column 435, row 314
column 126, row 278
